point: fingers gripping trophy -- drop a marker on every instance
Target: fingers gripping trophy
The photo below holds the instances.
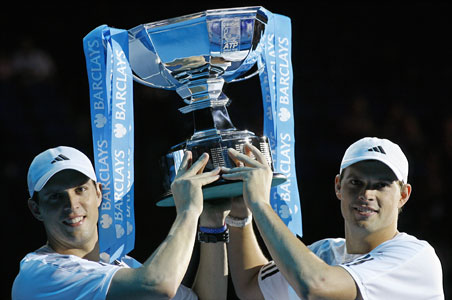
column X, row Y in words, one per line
column 195, row 55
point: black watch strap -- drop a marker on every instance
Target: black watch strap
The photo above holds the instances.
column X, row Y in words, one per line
column 205, row 237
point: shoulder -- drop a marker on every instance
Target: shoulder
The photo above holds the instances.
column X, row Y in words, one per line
column 405, row 246
column 70, row 263
column 404, row 254
column 45, row 264
column 411, row 251
column 402, row 249
column 406, row 239
column 42, row 273
column 399, row 267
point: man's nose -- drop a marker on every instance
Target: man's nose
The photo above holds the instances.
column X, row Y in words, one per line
column 72, row 201
column 367, row 193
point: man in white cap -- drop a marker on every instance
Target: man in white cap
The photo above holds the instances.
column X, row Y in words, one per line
column 65, row 196
column 374, row 261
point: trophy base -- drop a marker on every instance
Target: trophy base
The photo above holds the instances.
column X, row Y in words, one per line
column 219, row 190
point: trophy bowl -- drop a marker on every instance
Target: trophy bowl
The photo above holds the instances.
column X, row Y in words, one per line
column 195, row 55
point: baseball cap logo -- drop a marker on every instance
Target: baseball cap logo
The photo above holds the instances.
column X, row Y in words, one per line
column 60, row 157
column 377, row 149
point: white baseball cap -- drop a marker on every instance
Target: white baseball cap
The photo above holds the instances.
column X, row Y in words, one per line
column 54, row 160
column 372, row 148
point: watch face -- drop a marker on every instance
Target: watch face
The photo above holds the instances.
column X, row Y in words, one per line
column 204, row 237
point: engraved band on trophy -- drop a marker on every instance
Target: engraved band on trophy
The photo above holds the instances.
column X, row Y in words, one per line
column 195, row 55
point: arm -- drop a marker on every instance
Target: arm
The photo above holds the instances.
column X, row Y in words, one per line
column 244, row 255
column 162, row 273
column 309, row 276
column 211, row 281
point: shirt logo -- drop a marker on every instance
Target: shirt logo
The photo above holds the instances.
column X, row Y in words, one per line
column 360, row 260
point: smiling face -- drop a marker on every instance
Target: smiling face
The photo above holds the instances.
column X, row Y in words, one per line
column 68, row 207
column 370, row 199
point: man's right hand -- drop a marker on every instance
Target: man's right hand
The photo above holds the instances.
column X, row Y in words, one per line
column 187, row 186
column 255, row 173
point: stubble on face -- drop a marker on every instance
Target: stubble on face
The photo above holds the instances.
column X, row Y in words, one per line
column 369, row 198
column 69, row 205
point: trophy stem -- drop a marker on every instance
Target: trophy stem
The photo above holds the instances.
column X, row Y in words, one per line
column 211, row 119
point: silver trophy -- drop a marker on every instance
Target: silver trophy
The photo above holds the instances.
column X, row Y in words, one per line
column 195, row 55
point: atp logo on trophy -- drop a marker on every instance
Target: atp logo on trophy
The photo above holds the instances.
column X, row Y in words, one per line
column 231, row 36
column 195, row 55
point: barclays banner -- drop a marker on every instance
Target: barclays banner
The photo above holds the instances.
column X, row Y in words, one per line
column 277, row 84
column 111, row 87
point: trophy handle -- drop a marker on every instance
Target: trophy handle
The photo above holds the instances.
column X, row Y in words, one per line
column 248, row 76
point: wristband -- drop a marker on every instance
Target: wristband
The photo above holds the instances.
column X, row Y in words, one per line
column 213, row 230
column 237, row 222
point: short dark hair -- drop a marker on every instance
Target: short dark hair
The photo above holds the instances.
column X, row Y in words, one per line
column 35, row 197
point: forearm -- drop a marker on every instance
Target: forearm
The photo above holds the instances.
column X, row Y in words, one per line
column 307, row 274
column 245, row 261
column 211, row 280
column 162, row 273
column 310, row 276
column 166, row 267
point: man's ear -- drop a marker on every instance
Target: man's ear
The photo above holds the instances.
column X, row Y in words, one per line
column 34, row 208
column 98, row 193
column 405, row 193
column 337, row 186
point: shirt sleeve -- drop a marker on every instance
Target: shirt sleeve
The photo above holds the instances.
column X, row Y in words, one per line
column 185, row 293
column 272, row 283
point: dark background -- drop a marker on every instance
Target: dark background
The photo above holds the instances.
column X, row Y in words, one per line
column 360, row 69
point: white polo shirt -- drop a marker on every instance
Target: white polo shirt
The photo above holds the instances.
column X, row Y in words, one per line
column 401, row 268
column 45, row 274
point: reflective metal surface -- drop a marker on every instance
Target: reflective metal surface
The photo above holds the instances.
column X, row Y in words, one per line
column 195, row 55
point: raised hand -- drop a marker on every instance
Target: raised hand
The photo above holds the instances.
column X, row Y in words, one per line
column 187, row 186
column 255, row 173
